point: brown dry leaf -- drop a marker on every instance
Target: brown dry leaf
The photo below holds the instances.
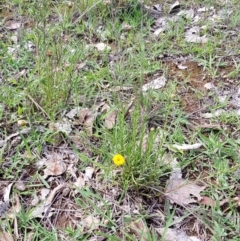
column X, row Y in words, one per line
column 174, row 8
column 102, row 46
column 16, row 207
column 179, row 191
column 105, row 108
column 6, row 194
column 86, row 118
column 211, row 202
column 64, row 127
column 155, row 84
column 193, row 36
column 126, row 27
column 140, row 229
column 182, row 67
column 55, row 167
column 207, row 201
column 73, row 112
column 91, row 222
column 13, row 26
column 110, row 120
column 88, row 173
column 30, row 236
column 5, row 236
column 82, row 114
column 175, row 235
column 80, row 182
column 120, row 88
column 186, row 147
column 45, row 206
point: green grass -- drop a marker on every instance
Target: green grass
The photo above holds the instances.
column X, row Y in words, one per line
column 56, row 39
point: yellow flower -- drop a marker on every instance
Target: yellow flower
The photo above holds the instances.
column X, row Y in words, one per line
column 118, row 160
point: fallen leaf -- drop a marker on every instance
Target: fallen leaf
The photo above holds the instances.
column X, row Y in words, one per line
column 55, row 167
column 175, row 235
column 88, row 173
column 6, row 194
column 80, row 182
column 15, row 209
column 193, row 36
column 110, row 120
column 13, row 26
column 209, row 86
column 82, row 114
column 30, row 236
column 217, row 113
column 155, row 84
column 64, row 127
column 45, row 206
column 44, row 193
column 73, row 112
column 120, row 88
column 13, row 79
column 186, row 147
column 174, row 8
column 182, row 67
column 91, row 222
column 180, row 191
column 86, row 118
column 102, row 46
column 140, row 229
column 211, row 202
column 159, row 30
column 5, row 236
column 20, row 185
column 187, row 13
column 126, row 27
column 105, row 108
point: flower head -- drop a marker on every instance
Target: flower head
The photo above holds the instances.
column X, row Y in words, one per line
column 118, row 160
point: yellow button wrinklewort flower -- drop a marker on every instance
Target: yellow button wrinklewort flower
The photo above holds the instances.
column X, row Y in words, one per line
column 118, row 160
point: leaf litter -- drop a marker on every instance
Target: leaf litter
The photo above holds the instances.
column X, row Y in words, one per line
column 82, row 119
